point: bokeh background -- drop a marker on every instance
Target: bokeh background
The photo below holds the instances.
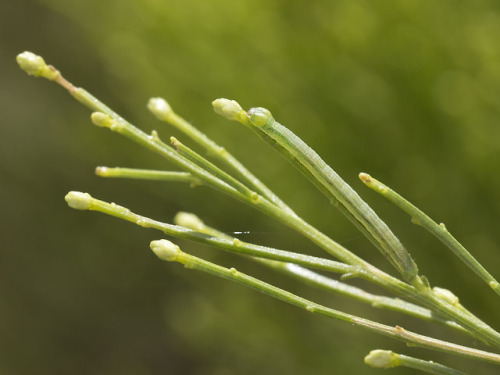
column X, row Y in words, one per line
column 408, row 91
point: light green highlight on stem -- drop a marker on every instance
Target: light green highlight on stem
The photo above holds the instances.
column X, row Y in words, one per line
column 398, row 333
column 438, row 230
column 388, row 359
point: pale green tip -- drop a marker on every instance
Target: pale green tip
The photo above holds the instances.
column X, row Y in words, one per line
column 189, row 220
column 382, row 359
column 159, row 107
column 101, row 171
column 230, row 109
column 35, row 65
column 365, row 178
column 165, row 250
column 259, row 116
column 495, row 286
column 101, row 119
column 78, row 200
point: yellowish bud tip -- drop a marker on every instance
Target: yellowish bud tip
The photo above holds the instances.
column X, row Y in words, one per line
column 365, row 177
column 159, row 107
column 229, row 109
column 189, row 220
column 32, row 64
column 495, row 285
column 78, row 200
column 101, row 171
column 35, row 65
column 101, row 119
column 165, row 250
column 382, row 359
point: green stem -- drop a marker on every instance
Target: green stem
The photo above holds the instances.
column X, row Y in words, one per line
column 191, row 221
column 165, row 250
column 419, row 293
column 162, row 110
column 213, row 169
column 438, row 230
column 146, row 174
column 84, row 201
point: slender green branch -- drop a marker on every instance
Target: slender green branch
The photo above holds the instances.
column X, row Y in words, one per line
column 438, row 230
column 192, row 221
column 83, row 201
column 163, row 112
column 420, row 292
column 166, row 250
column 213, row 169
column 300, row 154
column 388, row 359
column 146, row 174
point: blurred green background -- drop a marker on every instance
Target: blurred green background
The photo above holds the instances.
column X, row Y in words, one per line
column 408, row 91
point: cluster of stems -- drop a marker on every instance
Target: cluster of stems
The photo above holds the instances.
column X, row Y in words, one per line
column 413, row 293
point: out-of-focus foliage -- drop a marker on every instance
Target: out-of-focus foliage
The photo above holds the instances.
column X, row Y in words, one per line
column 408, row 91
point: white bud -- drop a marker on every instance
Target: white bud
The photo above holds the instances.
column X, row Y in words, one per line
column 165, row 250
column 229, row 109
column 78, row 200
column 159, row 107
column 189, row 220
column 382, row 359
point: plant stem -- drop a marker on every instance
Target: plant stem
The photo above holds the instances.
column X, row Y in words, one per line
column 162, row 110
column 438, row 230
column 191, row 221
column 167, row 251
column 83, row 201
column 146, row 174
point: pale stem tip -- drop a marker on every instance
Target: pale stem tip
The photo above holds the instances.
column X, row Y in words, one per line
column 365, row 177
column 165, row 250
column 230, row 109
column 101, row 171
column 382, row 359
column 495, row 286
column 35, row 65
column 78, row 200
column 159, row 107
column 189, row 220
